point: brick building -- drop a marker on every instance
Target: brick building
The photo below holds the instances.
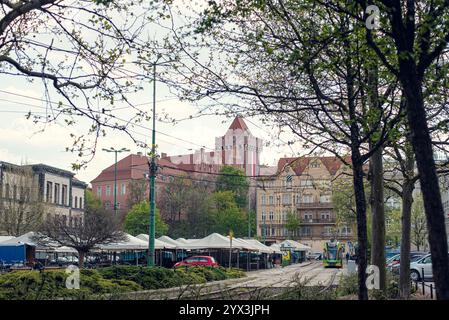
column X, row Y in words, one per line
column 132, row 169
column 302, row 186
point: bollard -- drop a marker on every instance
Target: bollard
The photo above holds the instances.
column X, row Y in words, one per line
column 423, row 284
column 431, row 291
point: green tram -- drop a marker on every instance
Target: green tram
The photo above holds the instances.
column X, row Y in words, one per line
column 333, row 254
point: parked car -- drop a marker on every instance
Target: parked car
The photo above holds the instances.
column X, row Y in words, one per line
column 394, row 262
column 423, row 265
column 207, row 261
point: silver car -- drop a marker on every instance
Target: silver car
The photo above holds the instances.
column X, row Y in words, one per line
column 421, row 269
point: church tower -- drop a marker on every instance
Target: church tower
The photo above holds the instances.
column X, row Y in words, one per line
column 239, row 148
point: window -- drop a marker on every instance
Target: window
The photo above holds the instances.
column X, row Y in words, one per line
column 307, row 199
column 305, row 231
column 81, row 203
column 64, row 195
column 271, row 198
column 271, row 216
column 325, row 216
column 99, row 191
column 108, row 190
column 123, row 188
column 308, row 217
column 264, row 216
column 315, row 164
column 325, row 198
column 263, row 199
column 286, row 199
column 328, row 230
column 288, row 181
column 7, row 191
column 48, row 195
column 306, row 183
column 57, row 193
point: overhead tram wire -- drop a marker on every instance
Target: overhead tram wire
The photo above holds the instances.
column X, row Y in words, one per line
column 112, row 116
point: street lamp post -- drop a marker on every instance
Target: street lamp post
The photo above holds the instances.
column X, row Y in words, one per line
column 115, row 174
column 152, row 166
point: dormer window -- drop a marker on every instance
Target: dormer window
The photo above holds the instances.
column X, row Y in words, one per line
column 315, row 164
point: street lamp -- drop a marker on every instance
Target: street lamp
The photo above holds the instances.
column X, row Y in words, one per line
column 153, row 168
column 115, row 174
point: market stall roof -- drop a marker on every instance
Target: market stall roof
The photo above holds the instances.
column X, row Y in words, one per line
column 212, row 241
column 158, row 244
column 276, row 247
column 5, row 238
column 262, row 248
column 294, row 245
column 183, row 240
column 171, row 241
column 245, row 244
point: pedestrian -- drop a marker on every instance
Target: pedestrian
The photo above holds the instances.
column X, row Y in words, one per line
column 347, row 257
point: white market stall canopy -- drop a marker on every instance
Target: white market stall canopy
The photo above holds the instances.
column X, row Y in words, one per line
column 296, row 246
column 215, row 241
column 171, row 241
column 261, row 247
column 158, row 244
column 276, row 248
column 5, row 238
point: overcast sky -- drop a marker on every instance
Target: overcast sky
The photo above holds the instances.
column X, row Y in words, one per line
column 22, row 141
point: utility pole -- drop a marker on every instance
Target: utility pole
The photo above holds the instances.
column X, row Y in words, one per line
column 152, row 169
column 115, row 174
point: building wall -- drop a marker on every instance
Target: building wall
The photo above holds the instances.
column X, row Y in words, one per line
column 308, row 196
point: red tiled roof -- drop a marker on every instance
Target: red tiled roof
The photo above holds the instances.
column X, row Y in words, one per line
column 299, row 164
column 238, row 123
column 134, row 166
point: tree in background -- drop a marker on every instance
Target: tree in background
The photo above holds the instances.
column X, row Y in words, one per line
column 92, row 202
column 137, row 220
column 419, row 227
column 292, row 223
column 234, row 179
column 80, row 51
column 226, row 215
column 137, row 191
column 22, row 209
column 97, row 227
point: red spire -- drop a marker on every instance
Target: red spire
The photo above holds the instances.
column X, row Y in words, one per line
column 238, row 123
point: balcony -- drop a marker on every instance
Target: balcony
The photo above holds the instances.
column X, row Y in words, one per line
column 317, row 205
column 318, row 221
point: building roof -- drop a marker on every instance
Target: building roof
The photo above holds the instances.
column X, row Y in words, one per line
column 135, row 166
column 238, row 123
column 299, row 164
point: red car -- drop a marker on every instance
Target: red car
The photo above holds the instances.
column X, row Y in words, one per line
column 207, row 261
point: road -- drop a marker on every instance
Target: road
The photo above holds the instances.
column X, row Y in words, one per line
column 309, row 273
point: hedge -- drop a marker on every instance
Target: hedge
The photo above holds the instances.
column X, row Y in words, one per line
column 50, row 284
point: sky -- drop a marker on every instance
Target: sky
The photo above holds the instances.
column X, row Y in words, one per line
column 24, row 142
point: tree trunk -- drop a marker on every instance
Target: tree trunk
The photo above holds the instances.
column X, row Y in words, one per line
column 422, row 146
column 81, row 255
column 378, row 217
column 362, row 238
column 404, row 267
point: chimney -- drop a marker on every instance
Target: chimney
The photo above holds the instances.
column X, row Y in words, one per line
column 139, row 153
column 163, row 155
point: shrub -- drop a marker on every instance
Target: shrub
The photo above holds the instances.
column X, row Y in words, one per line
column 30, row 285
